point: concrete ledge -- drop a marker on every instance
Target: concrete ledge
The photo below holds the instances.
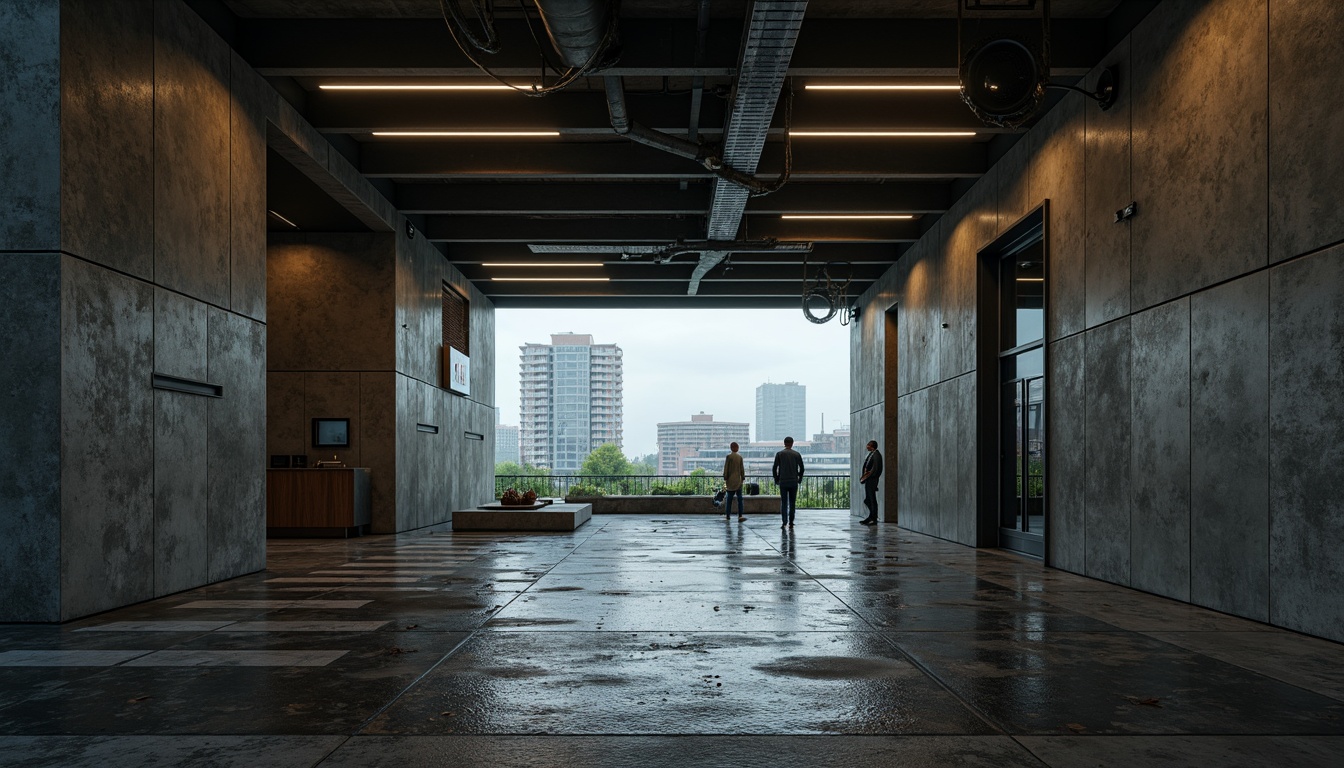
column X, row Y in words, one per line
column 672, row 505
column 556, row 517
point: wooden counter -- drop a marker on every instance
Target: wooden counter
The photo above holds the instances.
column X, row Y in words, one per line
column 317, row 502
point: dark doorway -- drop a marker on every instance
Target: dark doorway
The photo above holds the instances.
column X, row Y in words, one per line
column 890, row 399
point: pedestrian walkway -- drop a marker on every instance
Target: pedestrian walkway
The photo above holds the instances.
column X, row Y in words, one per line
column 665, row 641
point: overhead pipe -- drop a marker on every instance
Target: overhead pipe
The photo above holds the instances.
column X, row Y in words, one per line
column 691, row 150
column 579, row 30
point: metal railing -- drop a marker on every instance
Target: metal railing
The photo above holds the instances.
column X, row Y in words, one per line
column 815, row 492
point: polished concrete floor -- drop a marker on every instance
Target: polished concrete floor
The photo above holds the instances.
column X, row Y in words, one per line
column 671, row 641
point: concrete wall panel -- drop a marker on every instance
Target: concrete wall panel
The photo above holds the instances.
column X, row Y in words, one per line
column 1306, row 448
column 333, row 395
column 180, row 349
column 251, row 101
column 1229, row 447
column 1200, row 145
column 30, row 435
column 945, row 449
column 1065, row 475
column 191, row 155
column 236, row 446
column 866, row 425
column 324, row 288
column 107, row 134
column 1014, row 182
column 1305, row 59
column 1160, row 450
column 912, row 503
column 1107, row 189
column 378, row 437
column 180, row 485
column 286, row 415
column 957, row 278
column 1106, row 504
column 1057, row 174
column 30, row 121
column 919, row 319
column 107, row 438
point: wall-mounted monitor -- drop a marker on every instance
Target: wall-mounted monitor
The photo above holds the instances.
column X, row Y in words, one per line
column 331, row 433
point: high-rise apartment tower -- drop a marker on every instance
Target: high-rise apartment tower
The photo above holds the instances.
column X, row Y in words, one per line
column 781, row 411
column 570, row 400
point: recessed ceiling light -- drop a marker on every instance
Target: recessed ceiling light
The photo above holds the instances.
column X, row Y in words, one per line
column 847, row 216
column 891, row 87
column 457, row 134
column 376, row 87
column 881, row 134
column 543, row 265
column 553, row 279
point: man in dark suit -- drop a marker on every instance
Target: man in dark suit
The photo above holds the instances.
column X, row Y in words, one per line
column 872, row 470
column 788, row 473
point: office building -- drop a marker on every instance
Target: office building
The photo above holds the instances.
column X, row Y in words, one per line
column 506, row 444
column 570, row 400
column 679, row 441
column 781, row 411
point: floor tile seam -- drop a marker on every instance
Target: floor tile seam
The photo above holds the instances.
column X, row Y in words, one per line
column 470, row 635
column 924, row 670
column 1334, row 696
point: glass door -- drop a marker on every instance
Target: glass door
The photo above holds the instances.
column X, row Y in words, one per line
column 1022, row 400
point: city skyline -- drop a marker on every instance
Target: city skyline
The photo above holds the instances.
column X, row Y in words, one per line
column 681, row 362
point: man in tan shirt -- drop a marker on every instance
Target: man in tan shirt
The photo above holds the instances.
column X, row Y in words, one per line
column 733, row 475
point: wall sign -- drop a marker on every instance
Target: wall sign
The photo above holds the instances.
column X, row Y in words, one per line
column 459, row 372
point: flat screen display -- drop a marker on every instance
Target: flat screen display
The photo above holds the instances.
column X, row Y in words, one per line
column 331, row 433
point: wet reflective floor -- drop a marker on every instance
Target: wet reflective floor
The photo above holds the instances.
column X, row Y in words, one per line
column 672, row 641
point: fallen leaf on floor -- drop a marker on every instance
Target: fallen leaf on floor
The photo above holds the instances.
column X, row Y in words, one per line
column 1077, row 727
column 412, row 626
column 395, row 651
column 448, row 714
column 138, row 699
column 1151, row 701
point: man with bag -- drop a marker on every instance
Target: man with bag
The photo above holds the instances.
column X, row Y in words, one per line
column 733, row 475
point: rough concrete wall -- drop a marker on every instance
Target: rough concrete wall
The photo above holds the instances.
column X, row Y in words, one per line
column 148, row 233
column 1192, row 427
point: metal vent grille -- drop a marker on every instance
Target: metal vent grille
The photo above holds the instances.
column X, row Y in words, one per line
column 456, row 332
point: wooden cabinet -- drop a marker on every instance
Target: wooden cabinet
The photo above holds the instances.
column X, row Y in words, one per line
column 317, row 502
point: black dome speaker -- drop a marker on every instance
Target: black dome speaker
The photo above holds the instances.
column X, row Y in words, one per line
column 1003, row 81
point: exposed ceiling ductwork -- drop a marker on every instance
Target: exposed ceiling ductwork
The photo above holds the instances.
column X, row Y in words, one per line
column 767, row 47
column 580, row 30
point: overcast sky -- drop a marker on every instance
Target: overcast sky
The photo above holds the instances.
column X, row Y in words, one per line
column 681, row 362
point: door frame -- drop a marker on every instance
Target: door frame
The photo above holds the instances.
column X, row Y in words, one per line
column 987, row 376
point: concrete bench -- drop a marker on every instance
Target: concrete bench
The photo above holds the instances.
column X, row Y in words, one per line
column 554, row 517
column 672, row 505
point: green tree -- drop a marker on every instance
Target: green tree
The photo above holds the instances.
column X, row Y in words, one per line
column 606, row 461
column 512, row 468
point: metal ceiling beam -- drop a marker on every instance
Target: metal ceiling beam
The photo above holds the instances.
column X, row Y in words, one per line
column 372, row 48
column 556, row 300
column 632, row 229
column 855, row 252
column 577, row 112
column 585, row 113
column 665, row 198
column 813, row 159
column 677, row 272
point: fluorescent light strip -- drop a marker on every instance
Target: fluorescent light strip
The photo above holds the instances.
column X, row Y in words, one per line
column 1031, row 279
column 882, row 87
column 540, row 265
column 848, row 216
column 456, row 134
column 881, row 134
column 374, row 87
column 553, row 279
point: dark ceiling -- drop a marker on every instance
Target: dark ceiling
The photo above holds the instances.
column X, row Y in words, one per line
column 491, row 200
